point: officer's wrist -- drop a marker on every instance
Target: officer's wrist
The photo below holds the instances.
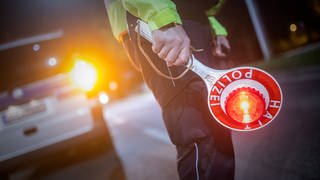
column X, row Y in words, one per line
column 167, row 26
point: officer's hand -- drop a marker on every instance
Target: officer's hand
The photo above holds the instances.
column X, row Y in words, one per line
column 172, row 44
column 220, row 42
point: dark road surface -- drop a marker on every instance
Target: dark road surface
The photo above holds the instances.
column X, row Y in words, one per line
column 141, row 139
column 288, row 148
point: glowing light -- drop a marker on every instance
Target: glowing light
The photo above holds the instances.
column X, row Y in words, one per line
column 293, row 27
column 103, row 98
column 113, row 85
column 84, row 75
column 36, row 47
column 17, row 93
column 52, row 61
column 245, row 105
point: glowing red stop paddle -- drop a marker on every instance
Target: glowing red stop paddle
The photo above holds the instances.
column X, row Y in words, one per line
column 241, row 99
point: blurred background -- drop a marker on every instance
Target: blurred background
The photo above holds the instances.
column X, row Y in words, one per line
column 72, row 105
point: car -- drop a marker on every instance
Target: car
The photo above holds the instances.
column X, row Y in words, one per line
column 49, row 107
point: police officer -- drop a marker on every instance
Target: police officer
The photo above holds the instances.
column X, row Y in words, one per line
column 204, row 148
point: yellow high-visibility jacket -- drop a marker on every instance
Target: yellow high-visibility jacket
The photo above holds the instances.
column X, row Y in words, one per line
column 157, row 13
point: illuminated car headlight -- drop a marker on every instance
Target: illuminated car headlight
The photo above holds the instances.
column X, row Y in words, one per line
column 103, row 98
column 84, row 75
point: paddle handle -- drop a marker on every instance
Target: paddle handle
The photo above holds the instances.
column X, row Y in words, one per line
column 209, row 75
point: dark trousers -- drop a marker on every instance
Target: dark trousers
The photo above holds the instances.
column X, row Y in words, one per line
column 210, row 157
column 204, row 147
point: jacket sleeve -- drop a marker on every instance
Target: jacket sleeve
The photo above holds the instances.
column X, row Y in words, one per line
column 117, row 17
column 217, row 28
column 156, row 13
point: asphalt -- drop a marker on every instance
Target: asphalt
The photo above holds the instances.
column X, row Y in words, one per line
column 288, row 148
column 141, row 140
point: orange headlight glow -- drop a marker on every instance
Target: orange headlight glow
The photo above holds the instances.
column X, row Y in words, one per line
column 84, row 75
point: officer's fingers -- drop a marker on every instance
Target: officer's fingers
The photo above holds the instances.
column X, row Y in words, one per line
column 172, row 55
column 223, row 41
column 176, row 44
column 158, row 41
column 218, row 47
column 164, row 52
column 226, row 44
column 183, row 57
column 218, row 52
column 157, row 46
